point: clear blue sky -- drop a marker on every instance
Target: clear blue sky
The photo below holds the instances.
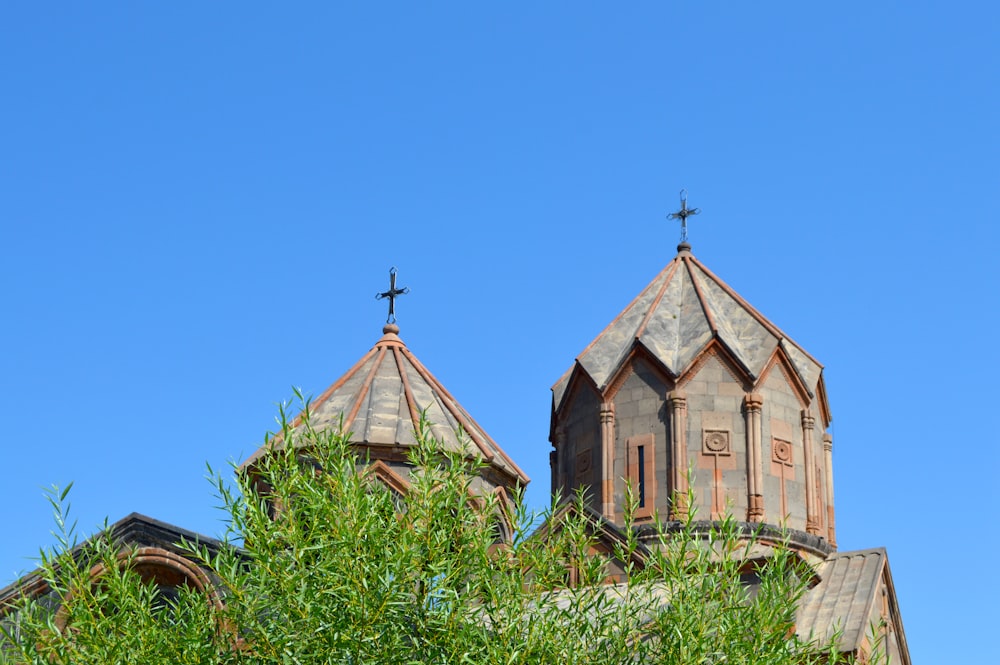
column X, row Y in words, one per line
column 199, row 201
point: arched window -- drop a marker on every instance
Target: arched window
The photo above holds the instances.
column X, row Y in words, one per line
column 167, row 571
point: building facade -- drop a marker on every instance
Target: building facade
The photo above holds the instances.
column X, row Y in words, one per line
column 690, row 399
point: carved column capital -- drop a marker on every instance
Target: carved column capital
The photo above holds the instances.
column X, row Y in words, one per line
column 827, row 442
column 808, row 422
column 677, row 399
column 753, row 401
column 607, row 412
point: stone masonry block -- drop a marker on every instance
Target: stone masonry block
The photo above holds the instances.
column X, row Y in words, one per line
column 696, row 388
column 730, row 404
column 730, row 389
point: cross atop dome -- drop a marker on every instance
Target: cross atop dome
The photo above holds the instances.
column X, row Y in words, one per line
column 683, row 214
column 392, row 294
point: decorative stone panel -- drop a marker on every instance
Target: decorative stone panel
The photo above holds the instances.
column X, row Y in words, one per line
column 716, row 442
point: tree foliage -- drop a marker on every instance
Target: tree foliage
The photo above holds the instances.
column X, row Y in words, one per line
column 326, row 565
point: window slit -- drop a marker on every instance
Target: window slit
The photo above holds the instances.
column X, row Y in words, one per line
column 641, row 451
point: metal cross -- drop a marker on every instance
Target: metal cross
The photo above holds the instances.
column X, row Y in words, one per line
column 683, row 214
column 392, row 294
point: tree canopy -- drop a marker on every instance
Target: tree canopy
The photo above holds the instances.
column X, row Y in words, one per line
column 325, row 564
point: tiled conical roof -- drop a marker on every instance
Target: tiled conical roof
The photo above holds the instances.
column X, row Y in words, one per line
column 382, row 397
column 676, row 316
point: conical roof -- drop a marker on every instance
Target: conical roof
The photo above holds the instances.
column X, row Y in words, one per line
column 382, row 397
column 676, row 316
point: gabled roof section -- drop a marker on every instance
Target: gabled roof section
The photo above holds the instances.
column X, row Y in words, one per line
column 383, row 473
column 381, row 399
column 676, row 316
column 132, row 531
column 844, row 599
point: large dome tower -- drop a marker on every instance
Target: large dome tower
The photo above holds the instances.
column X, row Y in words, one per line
column 690, row 376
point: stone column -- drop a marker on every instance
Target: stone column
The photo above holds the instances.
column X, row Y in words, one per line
column 752, row 403
column 812, row 521
column 677, row 401
column 608, row 461
column 557, row 464
column 828, row 451
column 554, row 470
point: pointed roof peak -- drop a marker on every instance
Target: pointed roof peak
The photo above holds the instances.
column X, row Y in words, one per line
column 677, row 316
column 384, row 397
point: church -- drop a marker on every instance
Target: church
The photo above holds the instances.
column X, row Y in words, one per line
column 690, row 396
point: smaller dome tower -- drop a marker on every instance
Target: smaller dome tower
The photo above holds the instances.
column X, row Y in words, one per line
column 380, row 401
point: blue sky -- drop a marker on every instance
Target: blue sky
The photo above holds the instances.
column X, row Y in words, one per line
column 199, row 202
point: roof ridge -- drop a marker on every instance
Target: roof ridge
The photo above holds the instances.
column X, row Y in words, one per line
column 462, row 418
column 863, row 552
column 470, row 426
column 790, row 361
column 659, row 296
column 701, row 298
column 753, row 311
column 363, row 392
column 621, row 314
column 326, row 394
column 407, row 391
column 313, row 404
column 870, row 601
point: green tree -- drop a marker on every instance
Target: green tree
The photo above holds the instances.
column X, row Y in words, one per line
column 328, row 566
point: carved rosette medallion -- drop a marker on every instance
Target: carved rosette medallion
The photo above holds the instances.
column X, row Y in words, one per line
column 715, row 442
column 782, row 451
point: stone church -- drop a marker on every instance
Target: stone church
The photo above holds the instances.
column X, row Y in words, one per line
column 688, row 377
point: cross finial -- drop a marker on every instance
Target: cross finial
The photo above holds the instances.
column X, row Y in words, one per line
column 392, row 294
column 683, row 214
